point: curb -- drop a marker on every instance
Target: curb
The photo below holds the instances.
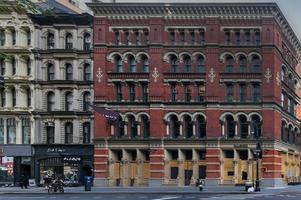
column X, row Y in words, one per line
column 127, row 193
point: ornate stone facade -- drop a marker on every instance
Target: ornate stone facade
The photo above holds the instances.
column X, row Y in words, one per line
column 194, row 84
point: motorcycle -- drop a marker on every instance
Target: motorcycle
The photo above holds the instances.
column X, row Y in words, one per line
column 56, row 186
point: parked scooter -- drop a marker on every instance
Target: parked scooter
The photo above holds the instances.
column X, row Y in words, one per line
column 56, row 186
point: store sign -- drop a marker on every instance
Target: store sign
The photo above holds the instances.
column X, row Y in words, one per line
column 56, row 150
column 72, row 159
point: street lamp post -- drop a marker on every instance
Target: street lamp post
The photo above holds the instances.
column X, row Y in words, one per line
column 257, row 153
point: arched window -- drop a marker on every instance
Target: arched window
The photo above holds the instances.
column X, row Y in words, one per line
column 68, row 101
column 119, row 64
column 242, row 64
column 230, row 126
column 50, row 133
column 200, row 64
column 2, row 66
column 87, row 41
column 289, row 133
column 13, row 63
column 133, row 126
column 187, row 126
column 14, row 36
column 132, row 63
column 201, row 126
column 119, row 128
column 13, row 94
column 243, row 126
column 68, row 72
column 50, row 101
column 187, row 64
column 145, row 126
column 50, row 41
column 87, row 72
column 229, row 64
column 68, row 133
column 174, row 64
column 283, row 131
column 50, row 72
column 86, row 101
column 256, row 126
column 174, row 126
column 68, row 41
column 11, row 130
column 255, row 64
column 145, row 64
column 86, row 133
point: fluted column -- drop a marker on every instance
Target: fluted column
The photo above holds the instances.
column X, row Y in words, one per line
column 8, row 98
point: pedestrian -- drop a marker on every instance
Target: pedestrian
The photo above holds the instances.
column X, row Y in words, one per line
column 22, row 181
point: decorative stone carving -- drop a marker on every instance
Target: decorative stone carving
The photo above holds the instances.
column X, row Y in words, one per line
column 278, row 79
column 99, row 74
column 268, row 75
column 155, row 75
column 211, row 75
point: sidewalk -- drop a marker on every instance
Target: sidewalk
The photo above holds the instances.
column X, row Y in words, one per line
column 131, row 190
column 151, row 190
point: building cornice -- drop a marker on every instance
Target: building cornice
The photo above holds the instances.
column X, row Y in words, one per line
column 235, row 11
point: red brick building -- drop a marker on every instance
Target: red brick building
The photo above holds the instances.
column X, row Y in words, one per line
column 193, row 84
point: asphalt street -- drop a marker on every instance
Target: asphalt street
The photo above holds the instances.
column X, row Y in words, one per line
column 280, row 196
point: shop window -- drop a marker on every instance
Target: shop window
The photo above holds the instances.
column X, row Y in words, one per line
column 68, row 72
column 202, row 172
column 50, row 41
column 174, row 172
column 68, row 41
column 230, row 173
column 243, row 155
column 174, row 154
column 26, row 131
column 87, row 72
column 68, row 101
column 50, row 134
column 50, row 72
column 68, row 133
column 86, row 133
column 11, row 131
column 1, row 131
column 87, row 41
column 86, row 101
